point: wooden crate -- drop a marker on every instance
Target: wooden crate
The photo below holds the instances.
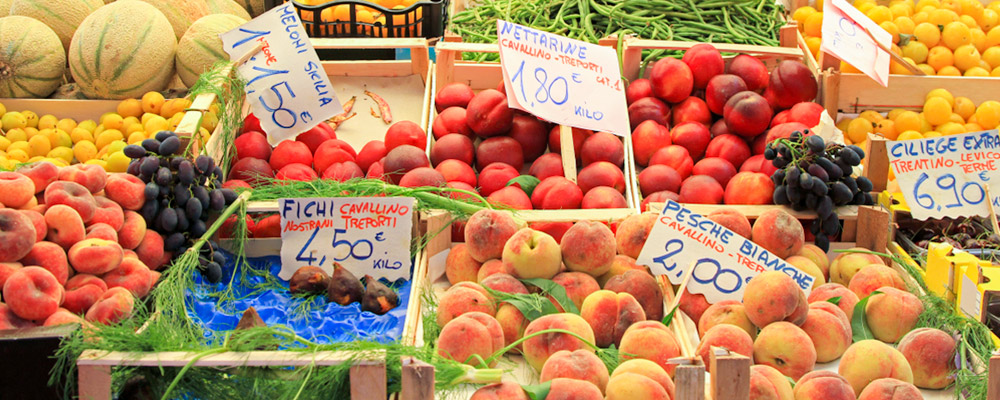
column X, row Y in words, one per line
column 632, row 58
column 368, row 378
column 451, row 68
column 690, row 377
column 853, row 93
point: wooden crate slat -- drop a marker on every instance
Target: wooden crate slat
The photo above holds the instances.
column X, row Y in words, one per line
column 227, row 359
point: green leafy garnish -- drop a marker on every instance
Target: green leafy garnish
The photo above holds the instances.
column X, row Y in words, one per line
column 532, row 305
column 859, row 324
column 556, row 291
column 670, row 316
column 539, row 391
column 527, row 183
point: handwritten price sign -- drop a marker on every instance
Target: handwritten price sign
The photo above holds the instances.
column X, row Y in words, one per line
column 286, row 84
column 845, row 37
column 947, row 176
column 725, row 261
column 562, row 80
column 365, row 235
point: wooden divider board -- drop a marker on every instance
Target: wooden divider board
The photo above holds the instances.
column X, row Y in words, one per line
column 451, row 68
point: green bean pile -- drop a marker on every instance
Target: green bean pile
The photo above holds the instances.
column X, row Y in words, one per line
column 754, row 22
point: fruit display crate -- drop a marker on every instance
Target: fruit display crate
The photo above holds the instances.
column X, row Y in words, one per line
column 450, row 68
column 405, row 85
column 690, row 378
column 848, row 93
column 732, row 381
column 770, row 56
column 340, row 19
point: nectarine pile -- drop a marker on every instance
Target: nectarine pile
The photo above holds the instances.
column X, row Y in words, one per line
column 482, row 145
column 73, row 247
column 706, row 146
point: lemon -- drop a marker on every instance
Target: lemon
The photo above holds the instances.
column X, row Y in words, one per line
column 81, row 135
column 942, row 93
column 136, row 137
column 871, row 115
column 66, row 124
column 112, row 121
column 47, row 121
column 967, row 57
column 909, row 135
column 62, row 153
column 4, row 143
column 12, row 120
column 98, row 162
column 89, row 125
column 916, row 51
column 18, row 155
column 117, row 162
column 39, row 145
column 84, row 151
column 859, row 128
column 988, row 114
column 907, row 121
column 16, row 135
column 937, row 110
column 107, row 137
column 927, row 34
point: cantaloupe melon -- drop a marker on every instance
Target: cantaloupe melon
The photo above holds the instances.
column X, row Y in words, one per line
column 123, row 50
column 201, row 47
column 63, row 16
column 254, row 7
column 181, row 13
column 227, row 7
column 32, row 59
column 5, row 7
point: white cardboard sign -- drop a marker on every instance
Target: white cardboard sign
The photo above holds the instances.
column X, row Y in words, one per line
column 947, row 176
column 844, row 37
column 287, row 86
column 367, row 235
column 725, row 261
column 562, row 80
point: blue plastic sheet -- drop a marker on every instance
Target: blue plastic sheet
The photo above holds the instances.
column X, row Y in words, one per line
column 326, row 322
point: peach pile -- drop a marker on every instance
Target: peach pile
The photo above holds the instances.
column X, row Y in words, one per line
column 481, row 145
column 699, row 127
column 72, row 246
column 786, row 333
column 619, row 304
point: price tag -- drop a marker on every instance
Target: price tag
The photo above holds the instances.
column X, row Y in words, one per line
column 844, row 36
column 945, row 176
column 367, row 235
column 971, row 301
column 725, row 261
column 565, row 81
column 287, row 86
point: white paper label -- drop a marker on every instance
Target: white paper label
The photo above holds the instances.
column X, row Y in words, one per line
column 972, row 300
column 367, row 235
column 946, row 176
column 725, row 261
column 844, row 37
column 562, row 80
column 287, row 86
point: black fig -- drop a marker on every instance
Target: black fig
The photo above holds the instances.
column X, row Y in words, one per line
column 309, row 280
column 344, row 287
column 379, row 299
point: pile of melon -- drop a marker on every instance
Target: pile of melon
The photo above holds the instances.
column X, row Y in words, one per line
column 117, row 50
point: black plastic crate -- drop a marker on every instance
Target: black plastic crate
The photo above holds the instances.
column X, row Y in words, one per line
column 425, row 18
